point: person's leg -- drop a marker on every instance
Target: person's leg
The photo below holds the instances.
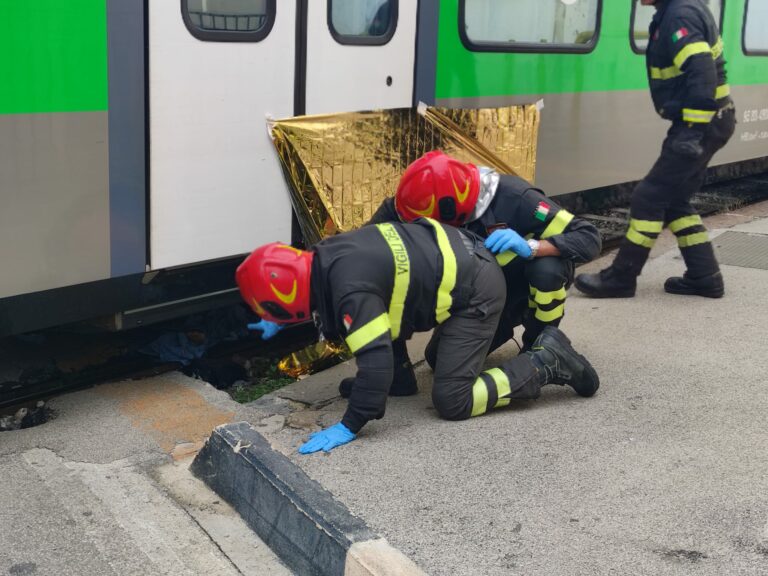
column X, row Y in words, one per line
column 672, row 178
column 461, row 344
column 462, row 391
column 548, row 279
column 702, row 276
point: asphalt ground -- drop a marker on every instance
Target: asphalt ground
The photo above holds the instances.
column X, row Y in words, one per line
column 662, row 472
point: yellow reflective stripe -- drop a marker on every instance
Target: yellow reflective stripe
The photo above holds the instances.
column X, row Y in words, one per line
column 649, row 226
column 687, row 51
column 402, row 276
column 502, row 386
column 691, row 50
column 636, row 238
column 558, row 224
column 544, row 298
column 479, row 397
column 550, row 315
column 504, row 258
column 693, row 240
column 685, row 222
column 722, row 91
column 532, row 303
column 697, row 116
column 717, row 49
column 665, row 73
column 368, row 333
column 448, row 281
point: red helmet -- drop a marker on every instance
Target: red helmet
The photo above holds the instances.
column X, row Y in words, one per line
column 274, row 281
column 440, row 187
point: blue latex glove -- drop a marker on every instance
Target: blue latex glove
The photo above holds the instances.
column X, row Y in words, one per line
column 507, row 239
column 268, row 329
column 328, row 439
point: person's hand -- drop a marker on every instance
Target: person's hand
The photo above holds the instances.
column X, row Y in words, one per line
column 268, row 329
column 687, row 141
column 328, row 439
column 507, row 239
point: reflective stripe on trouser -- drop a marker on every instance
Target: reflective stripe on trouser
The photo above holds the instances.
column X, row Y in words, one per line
column 549, row 274
column 516, row 379
column 664, row 196
column 460, row 345
column 694, row 244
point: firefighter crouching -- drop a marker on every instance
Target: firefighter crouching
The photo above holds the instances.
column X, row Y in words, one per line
column 686, row 71
column 380, row 284
column 535, row 241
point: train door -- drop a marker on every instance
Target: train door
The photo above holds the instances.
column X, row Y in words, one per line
column 217, row 70
column 360, row 54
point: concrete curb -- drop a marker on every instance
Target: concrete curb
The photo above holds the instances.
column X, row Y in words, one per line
column 301, row 521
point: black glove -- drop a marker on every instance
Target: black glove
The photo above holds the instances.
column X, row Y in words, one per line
column 687, row 141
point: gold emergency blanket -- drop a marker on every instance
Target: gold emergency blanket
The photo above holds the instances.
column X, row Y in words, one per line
column 341, row 167
column 314, row 358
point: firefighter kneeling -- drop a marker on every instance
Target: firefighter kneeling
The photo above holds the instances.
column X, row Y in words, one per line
column 382, row 283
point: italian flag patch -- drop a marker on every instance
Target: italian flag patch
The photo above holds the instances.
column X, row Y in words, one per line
column 542, row 211
column 680, row 34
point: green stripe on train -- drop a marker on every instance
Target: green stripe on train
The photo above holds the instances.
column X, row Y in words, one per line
column 54, row 56
column 611, row 66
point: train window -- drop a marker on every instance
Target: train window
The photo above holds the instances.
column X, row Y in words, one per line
column 530, row 25
column 229, row 20
column 362, row 22
column 642, row 16
column 755, row 23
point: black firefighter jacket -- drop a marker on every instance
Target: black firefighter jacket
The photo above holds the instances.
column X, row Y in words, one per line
column 686, row 68
column 379, row 283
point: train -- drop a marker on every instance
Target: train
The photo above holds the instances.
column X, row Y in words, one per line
column 136, row 168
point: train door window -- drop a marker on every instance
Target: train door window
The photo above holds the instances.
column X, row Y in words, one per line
column 642, row 16
column 362, row 22
column 229, row 20
column 755, row 23
column 530, row 25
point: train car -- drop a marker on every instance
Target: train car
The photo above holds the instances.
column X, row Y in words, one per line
column 135, row 164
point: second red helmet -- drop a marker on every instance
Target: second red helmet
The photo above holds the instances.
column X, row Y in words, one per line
column 439, row 187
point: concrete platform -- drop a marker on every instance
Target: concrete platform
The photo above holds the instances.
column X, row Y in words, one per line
column 104, row 489
column 662, row 472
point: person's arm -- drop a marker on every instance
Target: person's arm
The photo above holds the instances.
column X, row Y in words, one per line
column 693, row 56
column 365, row 323
column 567, row 236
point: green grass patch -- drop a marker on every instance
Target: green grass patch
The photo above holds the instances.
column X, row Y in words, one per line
column 265, row 378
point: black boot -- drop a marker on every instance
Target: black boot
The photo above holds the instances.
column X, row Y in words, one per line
column 608, row 283
column 711, row 286
column 554, row 356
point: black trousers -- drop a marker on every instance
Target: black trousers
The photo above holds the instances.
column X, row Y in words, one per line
column 459, row 347
column 536, row 293
column 663, row 198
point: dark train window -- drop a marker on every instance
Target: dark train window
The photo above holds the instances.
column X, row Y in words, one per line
column 362, row 22
column 530, row 25
column 229, row 20
column 642, row 16
column 755, row 39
